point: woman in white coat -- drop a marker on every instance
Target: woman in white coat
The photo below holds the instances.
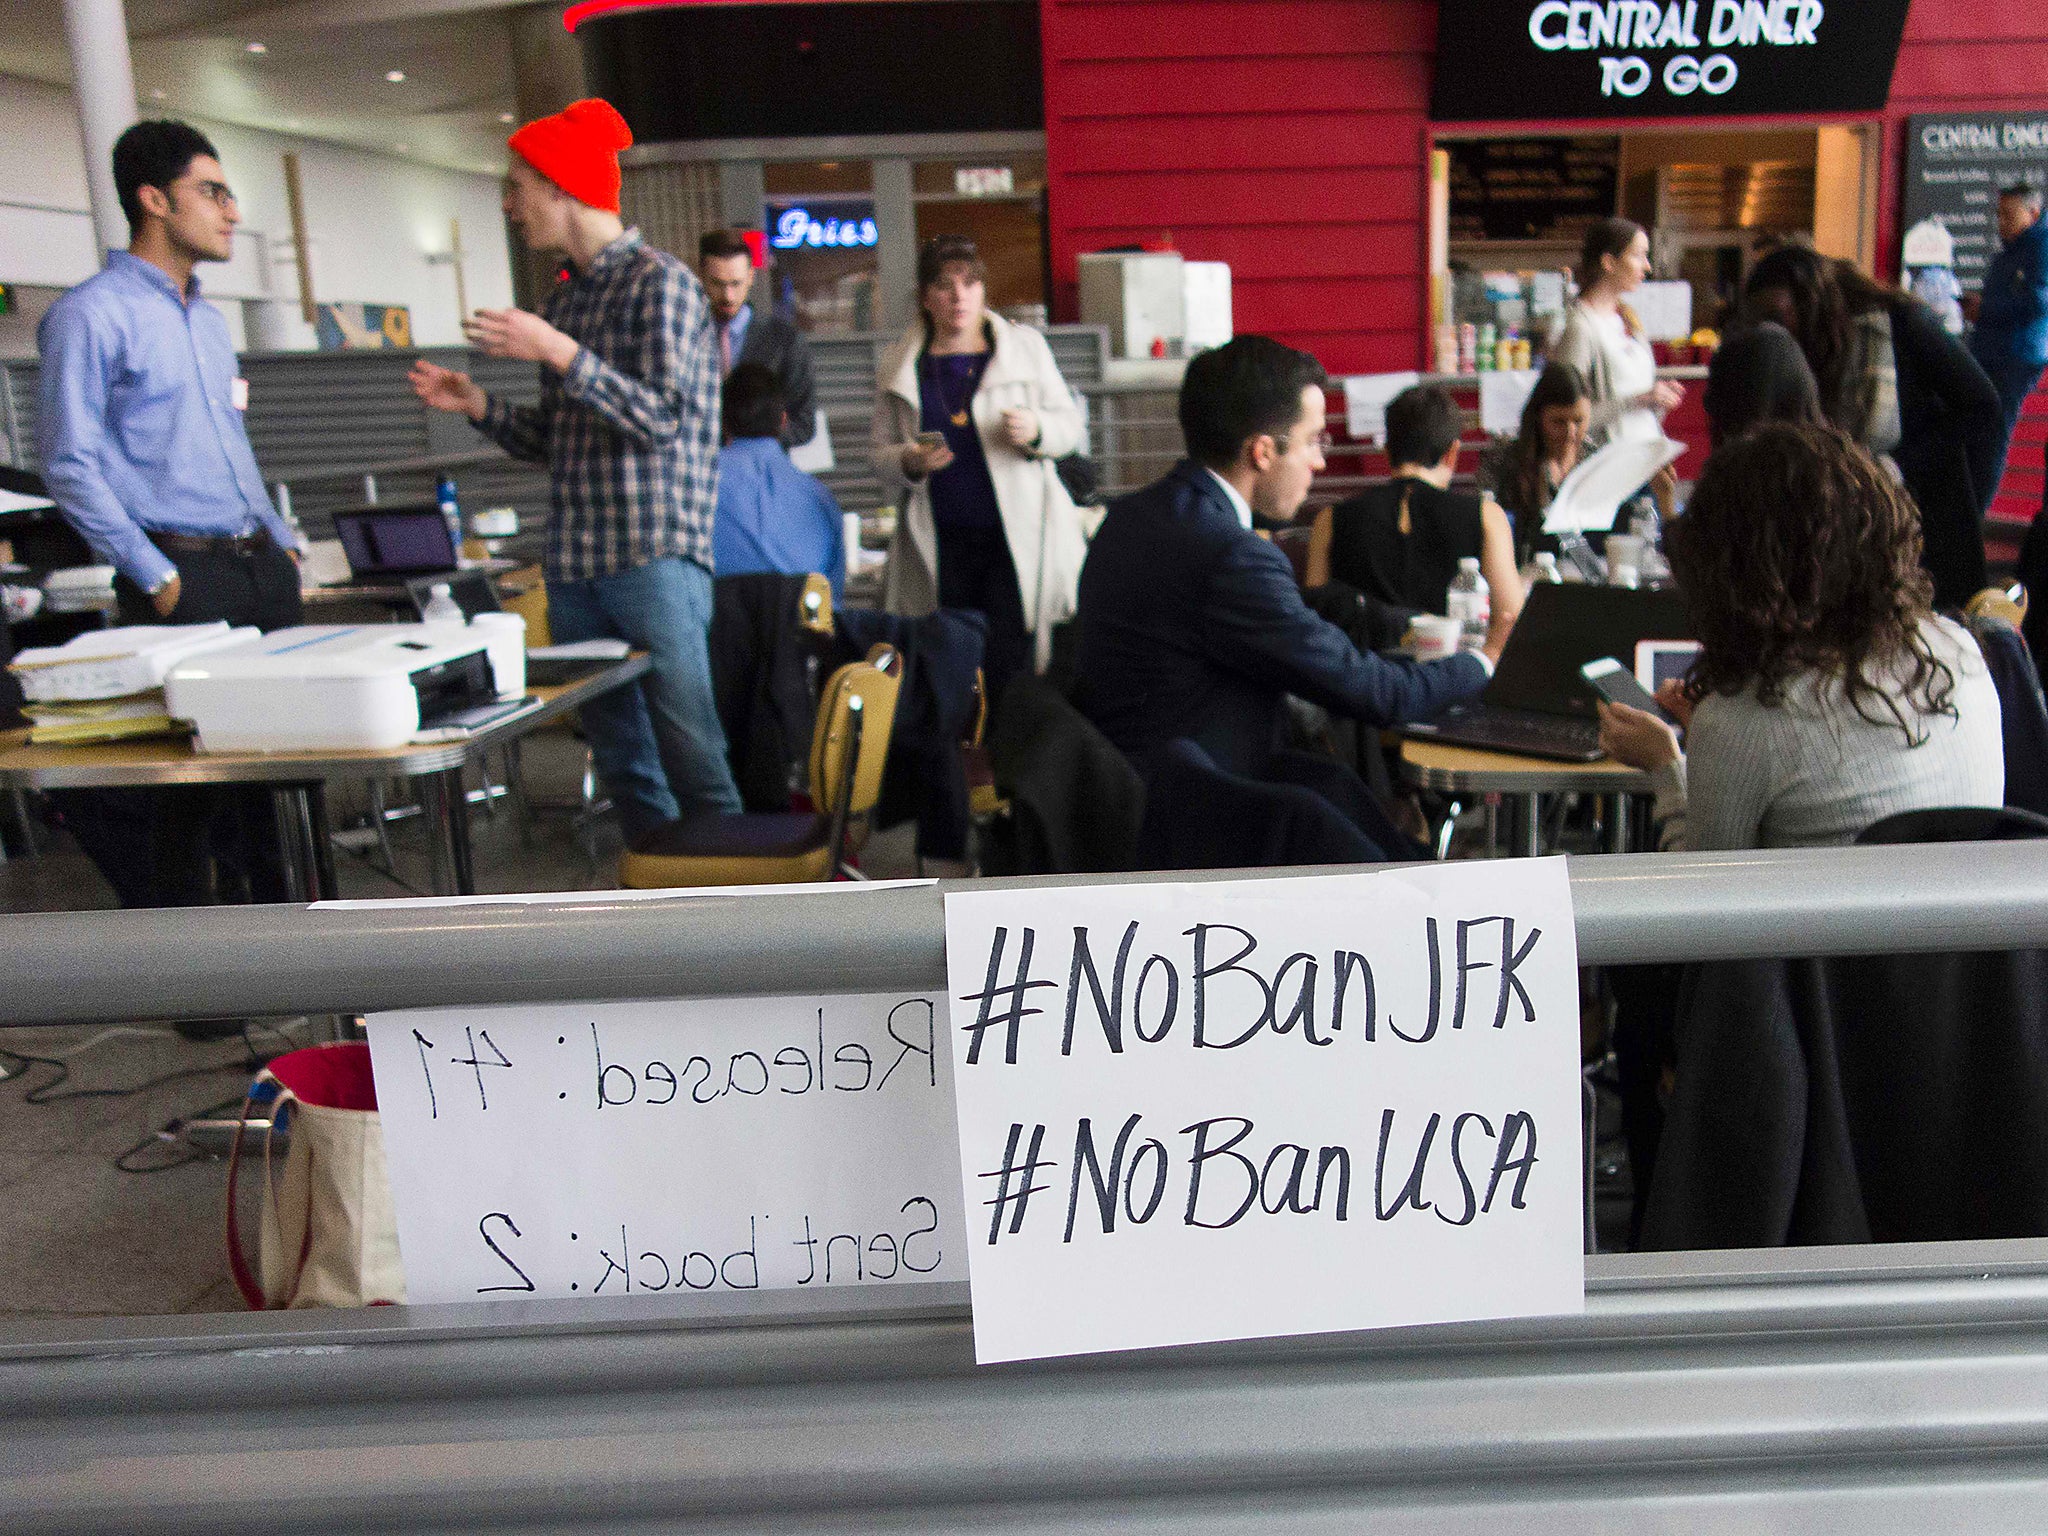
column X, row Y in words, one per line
column 971, row 416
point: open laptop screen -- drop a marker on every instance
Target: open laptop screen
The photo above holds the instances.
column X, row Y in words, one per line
column 1562, row 627
column 395, row 541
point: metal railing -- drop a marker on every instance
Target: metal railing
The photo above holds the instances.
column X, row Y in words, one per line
column 1879, row 1388
column 210, row 962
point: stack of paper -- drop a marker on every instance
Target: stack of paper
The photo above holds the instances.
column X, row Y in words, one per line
column 75, row 724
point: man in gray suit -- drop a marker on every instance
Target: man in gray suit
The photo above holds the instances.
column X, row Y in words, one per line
column 726, row 266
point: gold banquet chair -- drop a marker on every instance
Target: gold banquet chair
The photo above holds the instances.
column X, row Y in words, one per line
column 849, row 748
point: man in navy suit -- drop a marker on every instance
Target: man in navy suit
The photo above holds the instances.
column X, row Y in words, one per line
column 1191, row 625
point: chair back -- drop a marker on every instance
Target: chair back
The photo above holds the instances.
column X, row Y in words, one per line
column 531, row 604
column 814, row 605
column 850, row 745
column 1957, row 824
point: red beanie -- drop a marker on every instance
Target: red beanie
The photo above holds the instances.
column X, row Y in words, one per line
column 578, row 150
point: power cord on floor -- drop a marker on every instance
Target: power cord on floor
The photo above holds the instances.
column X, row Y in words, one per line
column 17, row 1063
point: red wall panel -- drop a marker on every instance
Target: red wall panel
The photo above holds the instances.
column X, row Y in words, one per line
column 1288, row 137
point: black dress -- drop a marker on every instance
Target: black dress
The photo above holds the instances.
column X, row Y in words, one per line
column 1408, row 566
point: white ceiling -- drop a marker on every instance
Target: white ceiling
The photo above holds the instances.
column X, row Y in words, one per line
column 321, row 72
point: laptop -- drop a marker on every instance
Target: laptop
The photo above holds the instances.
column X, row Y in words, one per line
column 1537, row 704
column 387, row 544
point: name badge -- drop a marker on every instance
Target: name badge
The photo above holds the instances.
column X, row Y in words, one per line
column 238, row 394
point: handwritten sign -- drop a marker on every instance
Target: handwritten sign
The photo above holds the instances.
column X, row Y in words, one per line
column 1209, row 1111
column 621, row 1149
column 1366, row 397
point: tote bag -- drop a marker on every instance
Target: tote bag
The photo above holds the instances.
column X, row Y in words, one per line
column 328, row 1236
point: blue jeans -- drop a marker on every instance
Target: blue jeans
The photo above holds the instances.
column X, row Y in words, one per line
column 2014, row 381
column 671, row 763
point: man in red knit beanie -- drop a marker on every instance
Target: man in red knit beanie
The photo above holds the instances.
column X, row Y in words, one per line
column 628, row 426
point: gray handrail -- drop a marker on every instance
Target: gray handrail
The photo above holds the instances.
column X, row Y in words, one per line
column 230, row 961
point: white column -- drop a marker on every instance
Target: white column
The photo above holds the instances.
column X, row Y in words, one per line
column 103, row 84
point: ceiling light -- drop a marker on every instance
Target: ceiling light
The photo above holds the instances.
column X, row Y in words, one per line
column 255, row 48
column 395, row 76
column 291, row 122
column 156, row 95
column 507, row 117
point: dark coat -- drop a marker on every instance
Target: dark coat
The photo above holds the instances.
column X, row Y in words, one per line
column 1199, row 817
column 1952, row 443
column 926, row 778
column 1891, row 1098
column 2022, row 712
column 1075, row 801
column 761, row 680
column 1191, row 625
column 778, row 345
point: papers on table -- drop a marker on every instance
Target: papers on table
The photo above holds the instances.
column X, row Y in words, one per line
column 581, row 650
column 14, row 501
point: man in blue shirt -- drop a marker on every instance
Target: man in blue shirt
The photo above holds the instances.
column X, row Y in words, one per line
column 2011, row 339
column 143, row 448
column 771, row 515
column 140, row 427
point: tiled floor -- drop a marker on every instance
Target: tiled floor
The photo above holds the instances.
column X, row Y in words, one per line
column 80, row 1237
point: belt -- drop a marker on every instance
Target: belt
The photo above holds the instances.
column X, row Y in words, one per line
column 243, row 544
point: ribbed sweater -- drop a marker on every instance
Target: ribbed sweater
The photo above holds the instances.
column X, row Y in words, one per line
column 1810, row 771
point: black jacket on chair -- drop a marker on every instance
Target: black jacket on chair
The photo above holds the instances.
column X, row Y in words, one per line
column 1190, row 625
column 762, row 684
column 926, row 778
column 1199, row 817
column 1075, row 801
column 779, row 346
column 1891, row 1098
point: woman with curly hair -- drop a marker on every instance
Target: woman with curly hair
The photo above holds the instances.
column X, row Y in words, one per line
column 1904, row 388
column 1827, row 694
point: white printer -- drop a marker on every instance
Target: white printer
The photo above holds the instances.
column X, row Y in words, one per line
column 348, row 686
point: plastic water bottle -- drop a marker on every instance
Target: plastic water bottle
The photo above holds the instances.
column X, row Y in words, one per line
column 1653, row 568
column 1541, row 570
column 451, row 511
column 442, row 609
column 1470, row 602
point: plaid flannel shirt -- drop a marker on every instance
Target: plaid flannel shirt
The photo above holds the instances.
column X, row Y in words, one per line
column 630, row 432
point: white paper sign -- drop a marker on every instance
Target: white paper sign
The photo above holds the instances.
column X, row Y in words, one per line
column 707, row 1144
column 1664, row 309
column 1212, row 1111
column 1365, row 403
column 1502, row 397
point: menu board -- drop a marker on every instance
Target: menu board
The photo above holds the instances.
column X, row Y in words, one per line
column 1531, row 189
column 1956, row 165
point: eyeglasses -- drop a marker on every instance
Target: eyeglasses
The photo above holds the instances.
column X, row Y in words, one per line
column 219, row 193
column 1324, row 442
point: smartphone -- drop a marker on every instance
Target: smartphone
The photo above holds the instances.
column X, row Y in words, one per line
column 1617, row 685
column 931, row 440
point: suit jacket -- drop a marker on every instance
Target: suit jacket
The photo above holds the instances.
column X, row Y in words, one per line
column 1191, row 625
column 776, row 344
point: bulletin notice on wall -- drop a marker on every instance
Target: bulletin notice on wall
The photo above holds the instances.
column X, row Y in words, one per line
column 1205, row 1111
column 1956, row 165
column 670, row 1147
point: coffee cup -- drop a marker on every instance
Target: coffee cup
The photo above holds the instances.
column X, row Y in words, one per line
column 1624, row 552
column 1434, row 637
